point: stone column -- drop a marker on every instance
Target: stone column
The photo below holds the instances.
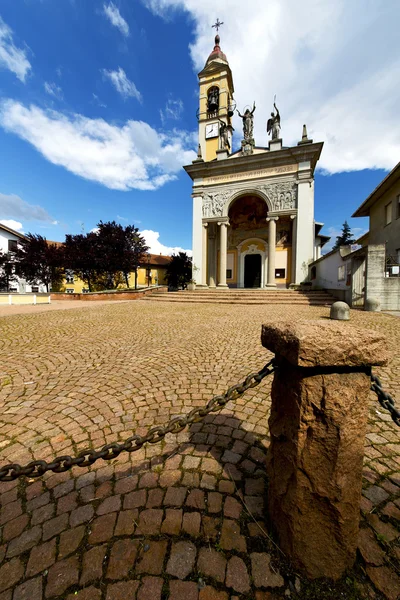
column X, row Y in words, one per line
column 204, row 256
column 317, row 427
column 212, row 256
column 271, row 251
column 223, row 240
column 293, row 265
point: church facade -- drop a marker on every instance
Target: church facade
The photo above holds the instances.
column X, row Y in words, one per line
column 253, row 210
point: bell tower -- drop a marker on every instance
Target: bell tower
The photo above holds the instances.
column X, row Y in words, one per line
column 216, row 104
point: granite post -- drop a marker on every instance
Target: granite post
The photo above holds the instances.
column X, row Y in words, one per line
column 317, row 427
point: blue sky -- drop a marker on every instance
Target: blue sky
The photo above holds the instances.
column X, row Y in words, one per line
column 98, row 103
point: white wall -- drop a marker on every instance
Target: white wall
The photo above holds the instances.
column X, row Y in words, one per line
column 327, row 269
column 304, row 222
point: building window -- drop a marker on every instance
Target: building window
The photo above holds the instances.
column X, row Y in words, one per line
column 279, row 273
column 388, row 213
column 69, row 276
column 85, row 290
column 35, row 289
column 398, row 207
column 229, row 273
column 70, row 290
column 341, row 273
column 12, row 245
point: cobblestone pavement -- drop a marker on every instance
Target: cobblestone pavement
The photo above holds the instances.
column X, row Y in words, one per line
column 184, row 519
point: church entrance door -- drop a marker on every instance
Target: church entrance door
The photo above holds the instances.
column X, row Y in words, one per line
column 252, row 271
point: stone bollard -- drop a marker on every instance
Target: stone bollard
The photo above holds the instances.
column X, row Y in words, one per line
column 372, row 305
column 317, row 427
column 340, row 311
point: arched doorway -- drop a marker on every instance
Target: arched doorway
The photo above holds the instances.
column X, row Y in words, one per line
column 252, row 271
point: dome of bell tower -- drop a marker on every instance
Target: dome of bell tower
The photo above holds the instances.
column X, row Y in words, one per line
column 217, row 53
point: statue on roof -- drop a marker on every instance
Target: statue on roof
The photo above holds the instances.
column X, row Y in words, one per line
column 274, row 124
column 223, row 135
column 248, row 125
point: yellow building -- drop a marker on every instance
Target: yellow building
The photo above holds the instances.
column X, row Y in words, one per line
column 152, row 272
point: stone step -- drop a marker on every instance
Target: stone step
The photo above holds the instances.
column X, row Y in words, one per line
column 228, row 300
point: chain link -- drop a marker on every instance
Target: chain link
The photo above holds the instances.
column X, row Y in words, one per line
column 385, row 399
column 86, row 458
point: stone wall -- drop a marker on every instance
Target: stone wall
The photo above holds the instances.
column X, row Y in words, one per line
column 385, row 289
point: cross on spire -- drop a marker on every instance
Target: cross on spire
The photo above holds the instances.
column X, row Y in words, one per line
column 217, row 25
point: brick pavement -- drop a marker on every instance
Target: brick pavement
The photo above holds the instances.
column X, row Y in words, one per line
column 184, row 519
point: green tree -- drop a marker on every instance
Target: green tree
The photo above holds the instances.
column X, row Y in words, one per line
column 7, row 270
column 39, row 261
column 345, row 238
column 82, row 256
column 179, row 271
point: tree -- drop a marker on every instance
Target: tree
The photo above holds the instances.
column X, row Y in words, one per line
column 345, row 238
column 179, row 270
column 82, row 256
column 39, row 261
column 7, row 270
column 135, row 252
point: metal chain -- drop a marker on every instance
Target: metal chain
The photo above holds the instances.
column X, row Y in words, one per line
column 86, row 458
column 385, row 399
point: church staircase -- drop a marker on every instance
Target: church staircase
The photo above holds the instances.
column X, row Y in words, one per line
column 246, row 296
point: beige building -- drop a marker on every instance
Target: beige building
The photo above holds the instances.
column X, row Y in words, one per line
column 383, row 209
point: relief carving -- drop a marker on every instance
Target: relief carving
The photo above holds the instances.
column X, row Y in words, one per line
column 282, row 195
column 213, row 204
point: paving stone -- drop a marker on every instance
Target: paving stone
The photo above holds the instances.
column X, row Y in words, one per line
column 150, row 589
column 392, row 511
column 369, row 547
column 191, row 479
column 195, row 499
column 255, row 487
column 232, row 508
column 384, row 529
column 210, row 528
column 128, row 484
column 208, row 482
column 83, row 514
column 54, row 526
column 148, row 480
column 191, row 523
column 181, row 561
column 10, row 511
column 214, row 502
column 230, row 457
column 212, row 564
column 14, row 528
column 231, row 539
column 63, row 488
column 102, row 528
column 127, row 522
column 29, row 590
column 61, row 576
column 172, row 522
column 376, row 494
column 191, row 462
column 135, row 499
column 183, row 590
column 263, row 576
column 41, row 558
column 150, row 521
column 168, row 478
column 10, row 573
column 104, row 490
column 123, row 590
column 155, row 498
column 90, row 593
column 111, row 504
column 70, row 540
column 67, row 503
column 122, row 558
column 237, row 576
column 92, row 565
column 175, row 496
column 385, row 580
column 226, row 487
column 84, row 480
column 151, row 562
column 210, row 593
column 255, row 504
column 25, row 541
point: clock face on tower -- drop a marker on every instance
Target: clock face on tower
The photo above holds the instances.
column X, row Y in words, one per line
column 211, row 130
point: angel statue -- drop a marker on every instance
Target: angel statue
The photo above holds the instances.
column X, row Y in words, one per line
column 248, row 124
column 223, row 135
column 274, row 124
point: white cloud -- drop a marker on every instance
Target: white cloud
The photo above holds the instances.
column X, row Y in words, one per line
column 12, row 58
column 333, row 65
column 13, row 207
column 98, row 101
column 156, row 247
column 115, row 18
column 53, row 90
column 16, row 225
column 123, row 85
column 130, row 156
column 173, row 110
